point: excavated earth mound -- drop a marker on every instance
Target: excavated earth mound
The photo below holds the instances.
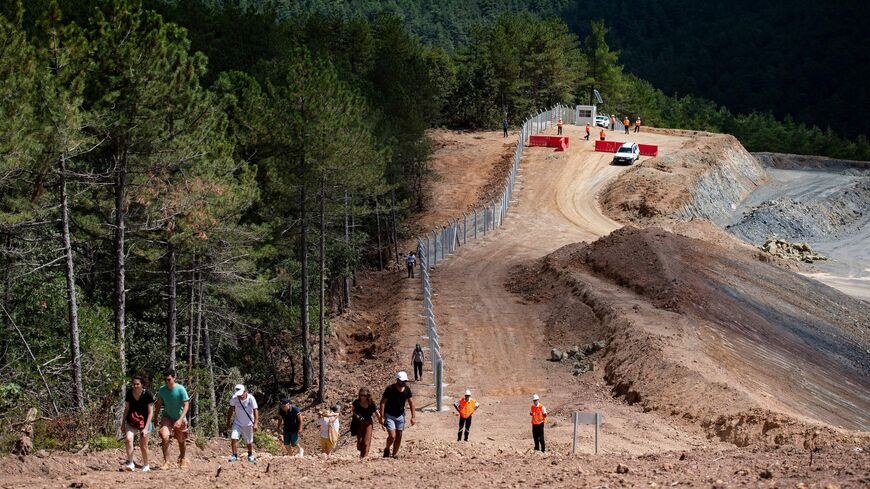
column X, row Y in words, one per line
column 750, row 351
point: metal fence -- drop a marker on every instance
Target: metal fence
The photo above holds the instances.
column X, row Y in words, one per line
column 437, row 245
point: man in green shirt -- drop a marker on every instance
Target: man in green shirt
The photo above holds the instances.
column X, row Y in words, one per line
column 174, row 400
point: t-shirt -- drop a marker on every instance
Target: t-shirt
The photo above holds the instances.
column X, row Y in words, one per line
column 364, row 413
column 290, row 419
column 244, row 410
column 417, row 356
column 173, row 400
column 140, row 407
column 411, row 260
column 324, row 425
column 396, row 400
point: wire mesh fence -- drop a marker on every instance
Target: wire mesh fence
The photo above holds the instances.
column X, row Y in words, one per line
column 437, row 245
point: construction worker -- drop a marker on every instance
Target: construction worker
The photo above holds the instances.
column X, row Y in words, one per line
column 637, row 125
column 612, row 122
column 559, row 126
column 602, row 134
column 539, row 417
column 626, row 123
column 588, row 130
column 466, row 407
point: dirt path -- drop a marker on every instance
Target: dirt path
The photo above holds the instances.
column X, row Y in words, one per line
column 496, row 344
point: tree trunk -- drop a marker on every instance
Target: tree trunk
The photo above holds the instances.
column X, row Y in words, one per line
column 395, row 225
column 307, row 374
column 120, row 293
column 72, row 303
column 380, row 246
column 194, row 404
column 353, row 230
column 346, row 281
column 172, row 309
column 7, row 298
column 321, row 387
column 191, row 318
column 211, row 387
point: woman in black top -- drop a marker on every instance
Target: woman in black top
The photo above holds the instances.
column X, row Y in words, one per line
column 138, row 413
column 361, row 424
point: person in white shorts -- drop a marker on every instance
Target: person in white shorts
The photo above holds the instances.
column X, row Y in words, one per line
column 245, row 419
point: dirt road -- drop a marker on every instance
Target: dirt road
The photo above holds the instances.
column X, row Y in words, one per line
column 497, row 345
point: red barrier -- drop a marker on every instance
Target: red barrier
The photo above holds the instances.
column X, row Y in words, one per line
column 648, row 149
column 613, row 146
column 607, row 146
column 558, row 142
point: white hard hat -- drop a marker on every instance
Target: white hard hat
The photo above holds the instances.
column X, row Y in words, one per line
column 467, row 392
column 238, row 390
column 403, row 376
column 535, row 397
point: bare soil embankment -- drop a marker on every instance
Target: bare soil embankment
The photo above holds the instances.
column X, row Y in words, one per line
column 749, row 351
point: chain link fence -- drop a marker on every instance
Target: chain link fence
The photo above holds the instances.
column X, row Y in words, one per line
column 437, row 245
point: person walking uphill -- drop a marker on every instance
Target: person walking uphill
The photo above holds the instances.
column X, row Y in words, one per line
column 417, row 360
column 138, row 413
column 505, row 125
column 289, row 423
column 410, row 263
column 392, row 411
column 173, row 398
column 626, row 123
column 539, row 417
column 466, row 408
column 559, row 126
column 244, row 423
column 330, row 427
column 361, row 425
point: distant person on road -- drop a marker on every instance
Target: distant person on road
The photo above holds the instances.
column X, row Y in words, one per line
column 290, row 423
column 505, row 125
column 588, row 131
column 637, row 125
column 330, row 426
column 362, row 423
column 626, row 123
column 245, row 422
column 417, row 360
column 612, row 122
column 539, row 417
column 392, row 411
column 602, row 135
column 559, row 126
column 138, row 414
column 466, row 406
column 173, row 398
column 410, row 263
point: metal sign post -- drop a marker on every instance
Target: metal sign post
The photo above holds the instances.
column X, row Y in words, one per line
column 586, row 418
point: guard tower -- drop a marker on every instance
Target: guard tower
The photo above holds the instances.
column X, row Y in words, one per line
column 584, row 114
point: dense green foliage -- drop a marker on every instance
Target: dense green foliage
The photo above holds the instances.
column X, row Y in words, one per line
column 169, row 174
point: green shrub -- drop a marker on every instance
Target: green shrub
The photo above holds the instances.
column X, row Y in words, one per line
column 266, row 442
column 102, row 442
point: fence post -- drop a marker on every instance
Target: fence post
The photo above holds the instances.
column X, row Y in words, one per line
column 439, row 383
column 435, row 248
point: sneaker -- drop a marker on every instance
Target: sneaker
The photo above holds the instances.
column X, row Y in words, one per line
column 165, row 466
column 234, row 458
column 130, row 467
column 183, row 463
column 252, row 459
column 386, row 453
column 301, row 452
column 146, row 468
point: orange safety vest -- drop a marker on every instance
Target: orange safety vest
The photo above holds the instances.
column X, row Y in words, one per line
column 466, row 408
column 637, row 122
column 601, row 134
column 625, row 122
column 587, row 129
column 560, row 122
column 538, row 414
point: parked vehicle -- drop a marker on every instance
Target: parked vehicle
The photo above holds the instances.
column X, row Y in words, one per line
column 628, row 153
column 602, row 120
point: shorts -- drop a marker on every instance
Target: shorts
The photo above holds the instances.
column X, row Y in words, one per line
column 394, row 423
column 136, row 431
column 326, row 444
column 245, row 433
column 291, row 439
column 169, row 423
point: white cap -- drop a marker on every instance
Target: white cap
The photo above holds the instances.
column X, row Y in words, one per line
column 403, row 376
column 467, row 392
column 535, row 397
column 239, row 390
